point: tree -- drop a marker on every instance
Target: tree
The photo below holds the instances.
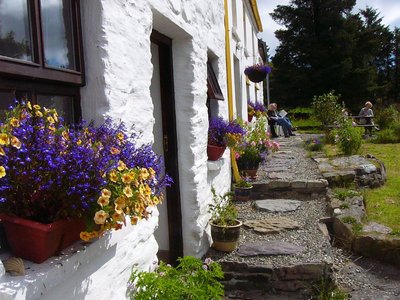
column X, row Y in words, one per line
column 324, row 47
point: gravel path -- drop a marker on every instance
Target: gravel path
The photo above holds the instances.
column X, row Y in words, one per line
column 361, row 278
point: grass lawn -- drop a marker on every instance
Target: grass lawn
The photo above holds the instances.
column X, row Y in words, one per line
column 383, row 204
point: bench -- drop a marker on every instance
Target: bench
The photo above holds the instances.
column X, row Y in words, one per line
column 356, row 120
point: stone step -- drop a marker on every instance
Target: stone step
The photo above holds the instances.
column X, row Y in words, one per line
column 299, row 278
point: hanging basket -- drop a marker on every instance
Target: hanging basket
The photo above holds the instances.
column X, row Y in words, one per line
column 257, row 75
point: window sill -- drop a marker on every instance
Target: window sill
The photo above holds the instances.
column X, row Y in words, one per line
column 215, row 165
column 42, row 278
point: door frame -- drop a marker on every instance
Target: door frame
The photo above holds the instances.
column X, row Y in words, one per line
column 170, row 146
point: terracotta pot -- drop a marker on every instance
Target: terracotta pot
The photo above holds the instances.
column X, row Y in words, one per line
column 257, row 76
column 249, row 117
column 36, row 241
column 250, row 173
column 243, row 193
column 225, row 238
column 215, row 152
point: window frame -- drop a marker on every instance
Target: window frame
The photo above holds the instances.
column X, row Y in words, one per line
column 37, row 69
column 214, row 91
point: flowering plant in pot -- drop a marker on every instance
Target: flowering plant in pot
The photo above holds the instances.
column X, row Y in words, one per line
column 225, row 227
column 254, row 148
column 221, row 134
column 51, row 175
column 257, row 72
column 190, row 279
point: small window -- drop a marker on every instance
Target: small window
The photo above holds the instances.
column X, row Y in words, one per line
column 213, row 89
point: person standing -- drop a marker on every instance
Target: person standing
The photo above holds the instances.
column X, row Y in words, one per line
column 368, row 114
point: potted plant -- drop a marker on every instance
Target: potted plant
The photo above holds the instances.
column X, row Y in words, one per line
column 221, row 134
column 258, row 72
column 51, row 177
column 190, row 279
column 225, row 227
column 243, row 190
column 254, row 148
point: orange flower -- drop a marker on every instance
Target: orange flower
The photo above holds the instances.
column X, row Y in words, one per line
column 15, row 142
column 50, row 120
column 37, row 107
column 115, row 150
column 118, row 217
column 85, row 236
column 134, row 220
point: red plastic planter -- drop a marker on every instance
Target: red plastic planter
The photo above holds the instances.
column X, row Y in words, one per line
column 36, row 241
column 215, row 152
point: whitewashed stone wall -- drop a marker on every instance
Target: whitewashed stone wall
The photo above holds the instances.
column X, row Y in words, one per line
column 118, row 75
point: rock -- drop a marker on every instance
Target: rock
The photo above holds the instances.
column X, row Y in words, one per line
column 277, row 184
column 269, row 248
column 277, row 205
column 299, row 184
column 375, row 227
column 337, row 211
column 271, row 225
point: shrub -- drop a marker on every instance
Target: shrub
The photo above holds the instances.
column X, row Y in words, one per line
column 314, row 145
column 191, row 279
column 327, row 108
column 348, row 137
column 387, row 136
column 387, row 117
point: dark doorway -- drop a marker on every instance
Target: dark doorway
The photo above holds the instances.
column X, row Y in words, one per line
column 165, row 143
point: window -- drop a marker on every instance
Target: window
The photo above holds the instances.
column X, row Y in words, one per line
column 41, row 54
column 213, row 89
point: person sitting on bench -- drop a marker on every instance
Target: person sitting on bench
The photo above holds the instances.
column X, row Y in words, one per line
column 274, row 118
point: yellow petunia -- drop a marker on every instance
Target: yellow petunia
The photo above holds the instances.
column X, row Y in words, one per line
column 4, row 139
column 100, row 217
column 65, row 135
column 120, row 136
column 103, row 201
column 2, row 151
column 126, row 178
column 113, row 176
column 2, row 172
column 37, row 107
column 120, row 204
column 79, row 142
column 144, row 174
column 121, row 165
column 128, row 191
column 15, row 142
column 29, row 105
column 134, row 220
column 106, row 193
column 115, row 150
column 55, row 116
column 14, row 122
column 50, row 120
column 152, row 172
column 38, row 114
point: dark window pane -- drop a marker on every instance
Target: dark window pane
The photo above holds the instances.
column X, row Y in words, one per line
column 8, row 97
column 15, row 29
column 58, row 33
column 63, row 104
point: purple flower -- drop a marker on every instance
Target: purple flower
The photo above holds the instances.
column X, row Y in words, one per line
column 258, row 67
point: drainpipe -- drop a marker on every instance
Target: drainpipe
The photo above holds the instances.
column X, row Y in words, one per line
column 236, row 175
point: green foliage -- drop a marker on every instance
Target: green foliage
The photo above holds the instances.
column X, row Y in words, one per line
column 327, row 108
column 356, row 226
column 348, row 137
column 388, row 117
column 223, row 211
column 314, row 145
column 243, row 184
column 191, row 279
column 383, row 204
column 325, row 290
column 342, row 193
column 386, row 136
